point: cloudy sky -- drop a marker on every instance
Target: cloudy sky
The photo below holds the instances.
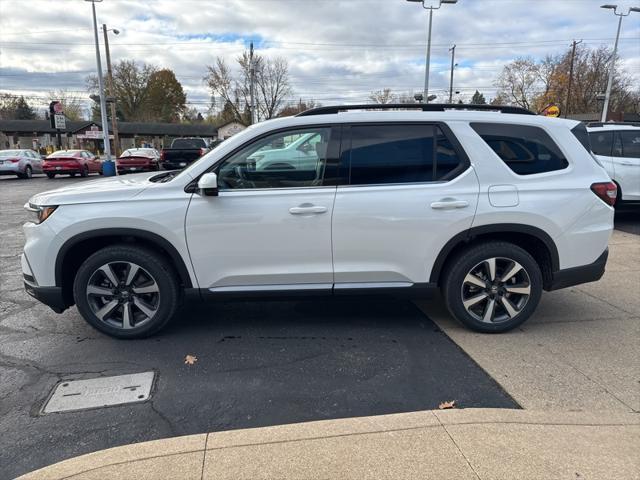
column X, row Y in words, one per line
column 338, row 50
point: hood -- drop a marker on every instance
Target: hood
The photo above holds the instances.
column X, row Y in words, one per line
column 110, row 189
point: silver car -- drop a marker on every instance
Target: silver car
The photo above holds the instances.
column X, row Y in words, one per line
column 21, row 162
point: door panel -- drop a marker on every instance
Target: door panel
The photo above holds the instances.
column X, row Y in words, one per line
column 262, row 237
column 627, row 164
column 411, row 190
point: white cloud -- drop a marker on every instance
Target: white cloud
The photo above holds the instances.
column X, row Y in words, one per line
column 338, row 50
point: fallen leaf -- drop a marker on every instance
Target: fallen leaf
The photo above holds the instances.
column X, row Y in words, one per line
column 447, row 405
column 190, row 359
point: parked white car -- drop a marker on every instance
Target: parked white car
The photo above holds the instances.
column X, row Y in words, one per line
column 491, row 207
column 617, row 147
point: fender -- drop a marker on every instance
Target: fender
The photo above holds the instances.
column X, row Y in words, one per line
column 156, row 239
column 468, row 235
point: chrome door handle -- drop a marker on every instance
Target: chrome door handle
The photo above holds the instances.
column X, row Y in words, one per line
column 449, row 204
column 301, row 210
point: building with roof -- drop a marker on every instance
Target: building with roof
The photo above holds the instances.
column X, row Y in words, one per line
column 39, row 135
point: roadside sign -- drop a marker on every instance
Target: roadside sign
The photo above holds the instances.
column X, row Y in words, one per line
column 551, row 111
column 59, row 121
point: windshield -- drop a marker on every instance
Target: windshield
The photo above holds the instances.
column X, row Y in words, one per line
column 10, row 153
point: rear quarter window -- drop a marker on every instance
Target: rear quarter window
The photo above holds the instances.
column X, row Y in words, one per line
column 525, row 149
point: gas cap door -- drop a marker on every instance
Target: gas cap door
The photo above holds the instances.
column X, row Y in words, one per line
column 503, row 196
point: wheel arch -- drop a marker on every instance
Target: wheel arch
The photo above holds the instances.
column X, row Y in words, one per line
column 79, row 247
column 534, row 240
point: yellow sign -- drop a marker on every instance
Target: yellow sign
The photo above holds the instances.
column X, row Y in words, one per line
column 552, row 111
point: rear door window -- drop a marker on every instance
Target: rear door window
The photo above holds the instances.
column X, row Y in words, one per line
column 387, row 154
column 630, row 143
column 601, row 142
column 526, row 150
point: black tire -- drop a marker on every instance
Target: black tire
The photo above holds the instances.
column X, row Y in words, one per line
column 84, row 173
column 72, row 175
column 51, row 175
column 28, row 173
column 476, row 260
column 151, row 266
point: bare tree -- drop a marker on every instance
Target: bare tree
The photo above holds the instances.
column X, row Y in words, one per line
column 271, row 85
column 519, row 82
column 383, row 96
column 272, row 78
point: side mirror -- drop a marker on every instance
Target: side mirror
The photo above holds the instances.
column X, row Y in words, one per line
column 208, row 185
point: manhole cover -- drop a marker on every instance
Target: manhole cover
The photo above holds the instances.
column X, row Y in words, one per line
column 100, row 392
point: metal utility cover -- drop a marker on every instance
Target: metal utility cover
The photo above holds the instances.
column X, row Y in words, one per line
column 100, row 392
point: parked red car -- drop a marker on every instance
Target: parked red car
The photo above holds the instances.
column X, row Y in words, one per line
column 138, row 160
column 71, row 162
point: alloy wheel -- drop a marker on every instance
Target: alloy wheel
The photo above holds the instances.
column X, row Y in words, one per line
column 496, row 290
column 123, row 295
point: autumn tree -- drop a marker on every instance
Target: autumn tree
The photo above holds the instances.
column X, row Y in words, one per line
column 165, row 99
column 72, row 104
column 271, row 82
column 518, row 82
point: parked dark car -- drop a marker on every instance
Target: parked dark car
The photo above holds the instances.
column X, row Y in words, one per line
column 20, row 162
column 71, row 162
column 138, row 160
column 183, row 151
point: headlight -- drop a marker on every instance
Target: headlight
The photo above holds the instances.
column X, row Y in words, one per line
column 38, row 213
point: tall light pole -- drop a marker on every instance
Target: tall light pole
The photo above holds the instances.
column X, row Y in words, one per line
column 453, row 65
column 612, row 64
column 103, row 103
column 112, row 93
column 431, row 8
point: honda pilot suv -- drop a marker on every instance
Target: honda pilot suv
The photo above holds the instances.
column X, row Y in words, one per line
column 492, row 206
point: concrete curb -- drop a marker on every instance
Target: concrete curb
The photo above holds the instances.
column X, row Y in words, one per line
column 469, row 443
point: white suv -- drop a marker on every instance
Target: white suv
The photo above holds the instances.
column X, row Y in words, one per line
column 617, row 147
column 490, row 206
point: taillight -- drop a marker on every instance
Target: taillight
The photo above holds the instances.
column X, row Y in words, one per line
column 161, row 155
column 203, row 151
column 606, row 191
column 14, row 160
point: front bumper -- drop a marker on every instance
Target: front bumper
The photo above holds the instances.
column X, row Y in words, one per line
column 583, row 274
column 50, row 296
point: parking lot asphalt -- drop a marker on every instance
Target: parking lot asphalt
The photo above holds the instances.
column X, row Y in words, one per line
column 258, row 364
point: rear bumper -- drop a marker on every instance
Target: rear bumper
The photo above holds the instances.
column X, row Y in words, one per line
column 583, row 274
column 50, row 296
column 10, row 169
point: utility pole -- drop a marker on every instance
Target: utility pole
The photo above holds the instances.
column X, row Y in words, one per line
column 112, row 93
column 103, row 106
column 453, row 56
column 252, row 107
column 612, row 66
column 573, row 56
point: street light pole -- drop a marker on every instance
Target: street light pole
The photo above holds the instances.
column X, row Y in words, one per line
column 103, row 103
column 453, row 56
column 612, row 64
column 427, row 67
column 112, row 93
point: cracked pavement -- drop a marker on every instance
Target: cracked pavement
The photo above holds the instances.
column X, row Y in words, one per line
column 259, row 363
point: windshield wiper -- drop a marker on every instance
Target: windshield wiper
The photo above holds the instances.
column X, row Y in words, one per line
column 165, row 177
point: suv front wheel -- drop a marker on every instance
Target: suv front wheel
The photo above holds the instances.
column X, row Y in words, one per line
column 126, row 291
column 493, row 287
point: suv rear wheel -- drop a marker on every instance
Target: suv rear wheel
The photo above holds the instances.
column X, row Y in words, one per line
column 126, row 291
column 493, row 287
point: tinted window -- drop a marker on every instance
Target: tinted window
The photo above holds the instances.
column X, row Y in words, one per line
column 601, row 142
column 630, row 143
column 188, row 143
column 580, row 132
column 526, row 150
column 294, row 158
column 400, row 154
